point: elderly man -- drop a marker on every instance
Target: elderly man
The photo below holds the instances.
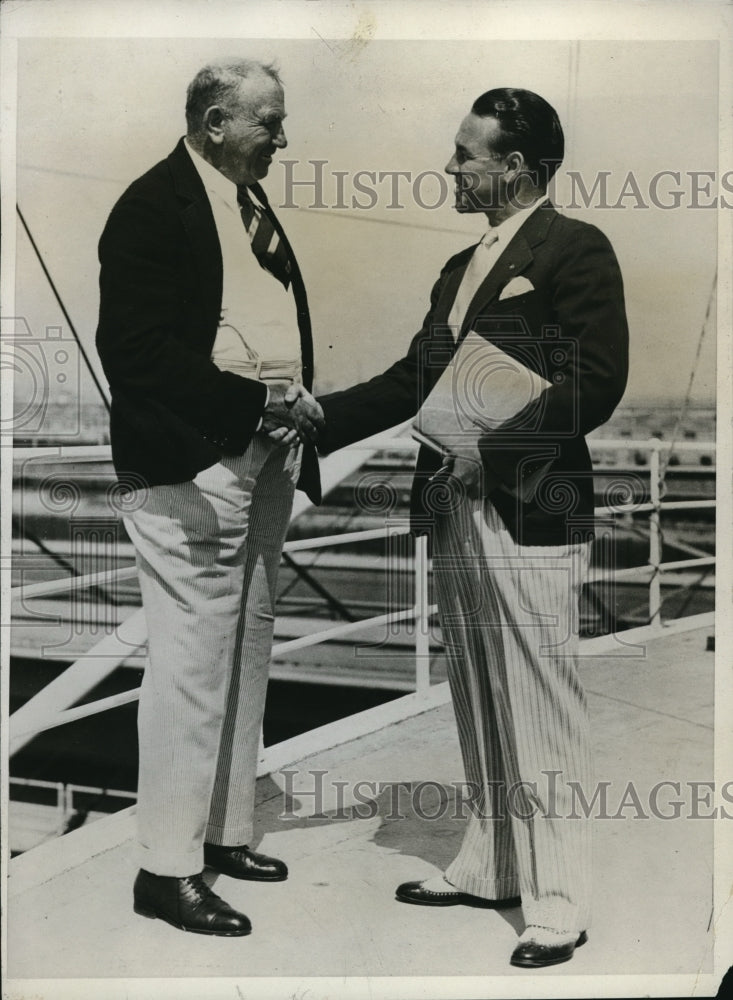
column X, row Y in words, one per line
column 511, row 526
column 203, row 327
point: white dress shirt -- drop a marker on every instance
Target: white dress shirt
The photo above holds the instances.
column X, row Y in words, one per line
column 493, row 244
column 258, row 321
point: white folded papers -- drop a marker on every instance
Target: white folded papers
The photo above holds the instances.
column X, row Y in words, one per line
column 481, row 388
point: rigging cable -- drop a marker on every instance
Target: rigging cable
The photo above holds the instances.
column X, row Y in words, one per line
column 20, row 526
column 55, row 291
column 688, row 394
column 664, row 459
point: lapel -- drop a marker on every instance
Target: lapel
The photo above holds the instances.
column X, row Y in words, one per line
column 515, row 259
column 452, row 284
column 198, row 221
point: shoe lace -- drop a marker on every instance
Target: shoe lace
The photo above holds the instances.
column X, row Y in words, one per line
column 197, row 891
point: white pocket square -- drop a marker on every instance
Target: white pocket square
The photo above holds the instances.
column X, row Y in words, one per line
column 517, row 286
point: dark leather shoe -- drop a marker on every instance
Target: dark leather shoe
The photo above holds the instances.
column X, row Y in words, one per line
column 240, row 862
column 415, row 892
column 536, row 956
column 187, row 903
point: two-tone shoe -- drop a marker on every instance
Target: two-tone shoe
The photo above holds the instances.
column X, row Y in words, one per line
column 420, row 895
column 532, row 955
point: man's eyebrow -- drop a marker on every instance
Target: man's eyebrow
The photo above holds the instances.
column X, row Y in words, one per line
column 272, row 116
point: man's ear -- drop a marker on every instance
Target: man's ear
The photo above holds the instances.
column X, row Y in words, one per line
column 214, row 119
column 514, row 166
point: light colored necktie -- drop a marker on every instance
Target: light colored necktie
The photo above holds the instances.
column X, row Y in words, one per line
column 479, row 265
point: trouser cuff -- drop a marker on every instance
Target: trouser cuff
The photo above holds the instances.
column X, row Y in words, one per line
column 486, row 888
column 176, row 865
column 229, row 837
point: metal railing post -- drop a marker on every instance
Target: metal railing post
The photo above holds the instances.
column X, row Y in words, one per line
column 78, row 679
column 68, row 802
column 60, row 805
column 655, row 533
column 47, row 709
column 422, row 616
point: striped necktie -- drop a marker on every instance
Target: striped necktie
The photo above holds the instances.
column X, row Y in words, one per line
column 264, row 240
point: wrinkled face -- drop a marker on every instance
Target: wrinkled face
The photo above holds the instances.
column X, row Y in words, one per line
column 479, row 173
column 252, row 129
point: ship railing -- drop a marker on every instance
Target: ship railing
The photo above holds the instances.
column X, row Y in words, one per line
column 68, row 796
column 49, row 708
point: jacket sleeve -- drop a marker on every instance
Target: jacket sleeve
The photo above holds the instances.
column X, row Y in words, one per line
column 390, row 398
column 143, row 295
column 588, row 308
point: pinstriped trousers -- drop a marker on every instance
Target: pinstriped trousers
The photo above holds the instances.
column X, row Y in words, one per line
column 509, row 614
column 208, row 553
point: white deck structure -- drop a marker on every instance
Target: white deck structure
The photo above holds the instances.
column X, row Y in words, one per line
column 70, row 915
column 334, row 929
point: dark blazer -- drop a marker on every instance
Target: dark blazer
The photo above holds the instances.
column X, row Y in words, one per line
column 173, row 412
column 571, row 328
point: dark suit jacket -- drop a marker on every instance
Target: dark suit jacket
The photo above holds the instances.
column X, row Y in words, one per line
column 571, row 328
column 173, row 412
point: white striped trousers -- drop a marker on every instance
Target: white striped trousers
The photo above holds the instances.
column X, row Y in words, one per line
column 509, row 616
column 208, row 553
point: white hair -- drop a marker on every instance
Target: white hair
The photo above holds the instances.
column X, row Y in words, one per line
column 216, row 83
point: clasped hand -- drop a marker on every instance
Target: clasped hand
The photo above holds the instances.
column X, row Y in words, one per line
column 467, row 467
column 292, row 414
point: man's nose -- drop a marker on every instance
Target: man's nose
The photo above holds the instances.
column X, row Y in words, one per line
column 280, row 140
column 452, row 166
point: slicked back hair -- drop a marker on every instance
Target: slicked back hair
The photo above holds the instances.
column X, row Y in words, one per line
column 529, row 125
column 216, row 83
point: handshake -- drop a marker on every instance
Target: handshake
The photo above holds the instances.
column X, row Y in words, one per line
column 292, row 414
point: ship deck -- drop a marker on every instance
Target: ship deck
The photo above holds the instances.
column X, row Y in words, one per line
column 336, row 922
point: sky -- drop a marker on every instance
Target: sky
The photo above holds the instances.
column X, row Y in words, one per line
column 94, row 113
